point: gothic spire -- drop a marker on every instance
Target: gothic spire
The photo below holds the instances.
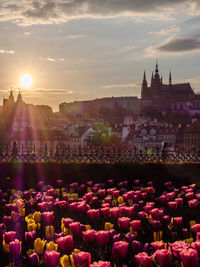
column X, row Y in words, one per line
column 170, row 78
column 156, row 71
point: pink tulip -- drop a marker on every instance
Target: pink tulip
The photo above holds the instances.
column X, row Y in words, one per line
column 177, row 247
column 163, row 257
column 120, row 249
column 33, row 260
column 62, row 204
column 51, row 258
column 155, row 214
column 102, row 237
column 190, row 195
column 102, row 193
column 82, row 259
column 65, row 243
column 74, row 227
column 89, row 236
column 196, row 245
column 170, row 196
column 178, row 220
column 193, row 203
column 144, row 260
column 136, row 225
column 158, row 245
column 123, row 222
column 189, row 257
column 15, row 247
column 172, row 205
column 42, row 206
column 89, row 196
column 129, row 211
column 67, row 221
column 142, row 214
column 48, row 217
column 9, row 236
column 114, row 212
column 196, row 228
column 30, row 236
column 179, row 201
column 100, row 264
column 105, row 212
column 93, row 214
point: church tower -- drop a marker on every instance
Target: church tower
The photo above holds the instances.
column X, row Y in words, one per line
column 170, row 78
column 11, row 98
column 144, row 87
column 156, row 81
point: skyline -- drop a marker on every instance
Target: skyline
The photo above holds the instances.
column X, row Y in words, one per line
column 79, row 50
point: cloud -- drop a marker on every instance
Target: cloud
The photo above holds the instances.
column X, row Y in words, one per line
column 168, row 30
column 38, row 91
column 7, row 52
column 27, row 33
column 175, row 45
column 75, row 36
column 128, row 85
column 28, row 12
column 54, row 60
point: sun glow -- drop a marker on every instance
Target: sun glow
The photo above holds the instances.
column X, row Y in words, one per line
column 26, row 81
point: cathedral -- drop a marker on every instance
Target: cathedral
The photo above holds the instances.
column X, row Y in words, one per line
column 159, row 92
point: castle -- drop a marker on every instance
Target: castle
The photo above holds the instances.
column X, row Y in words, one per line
column 159, row 92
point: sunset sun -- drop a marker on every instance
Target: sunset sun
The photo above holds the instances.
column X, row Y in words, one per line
column 26, row 81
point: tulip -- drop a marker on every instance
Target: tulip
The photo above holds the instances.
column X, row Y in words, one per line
column 51, row 246
column 42, row 206
column 155, row 214
column 129, row 237
column 74, row 228
column 163, row 257
column 89, row 236
column 65, row 243
column 9, row 236
column 31, row 227
column 189, row 257
column 136, row 247
column 136, row 225
column 51, row 258
column 158, row 245
column 33, row 260
column 156, row 225
column 62, row 204
column 196, row 228
column 114, row 212
column 144, row 260
column 123, row 222
column 178, row 220
column 100, row 264
column 142, row 214
column 15, row 247
column 196, row 245
column 49, row 231
column 129, row 211
column 173, row 205
column 102, row 237
column 64, row 261
column 177, row 247
column 117, row 238
column 67, row 221
column 93, row 214
column 120, row 249
column 189, row 195
column 48, row 217
column 108, row 226
column 30, row 236
column 39, row 246
column 193, row 203
column 105, row 212
column 82, row 259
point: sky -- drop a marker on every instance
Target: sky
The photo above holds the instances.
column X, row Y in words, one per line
column 84, row 49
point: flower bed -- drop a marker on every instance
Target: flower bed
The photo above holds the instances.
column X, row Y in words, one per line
column 99, row 224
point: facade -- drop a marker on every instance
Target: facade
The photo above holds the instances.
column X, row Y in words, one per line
column 191, row 136
column 80, row 137
column 178, row 96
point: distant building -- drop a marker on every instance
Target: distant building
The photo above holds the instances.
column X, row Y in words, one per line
column 80, row 137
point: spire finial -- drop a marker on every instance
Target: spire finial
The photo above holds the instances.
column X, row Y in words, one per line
column 170, row 78
column 156, row 66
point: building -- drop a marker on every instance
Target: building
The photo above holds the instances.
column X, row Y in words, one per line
column 80, row 137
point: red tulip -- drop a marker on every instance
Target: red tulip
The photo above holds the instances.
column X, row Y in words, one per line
column 102, row 237
column 170, row 196
column 193, row 203
column 62, row 204
column 120, row 249
column 9, row 236
column 105, row 212
column 30, row 236
column 74, row 227
column 142, row 214
column 42, row 206
column 177, row 247
column 51, row 258
column 48, row 217
column 89, row 236
column 123, row 222
column 82, row 259
column 179, row 201
column 102, row 193
column 196, row 245
column 129, row 211
column 144, row 260
column 89, row 196
column 190, row 195
column 93, row 214
column 173, row 205
column 163, row 257
column 65, row 243
column 189, row 257
column 136, row 225
column 155, row 214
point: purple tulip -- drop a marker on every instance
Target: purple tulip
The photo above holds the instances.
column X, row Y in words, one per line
column 9, row 236
column 48, row 217
column 51, row 258
column 15, row 247
column 30, row 236
column 129, row 237
column 33, row 260
column 136, row 247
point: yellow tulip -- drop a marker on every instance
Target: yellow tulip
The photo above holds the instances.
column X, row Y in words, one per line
column 39, row 246
column 49, row 231
column 37, row 216
column 74, row 196
column 64, row 261
column 88, row 227
column 108, row 226
column 72, row 260
column 120, row 200
column 21, row 212
column 189, row 240
column 29, row 252
column 51, row 246
column 193, row 222
column 57, row 191
column 31, row 227
column 6, row 247
column 29, row 216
